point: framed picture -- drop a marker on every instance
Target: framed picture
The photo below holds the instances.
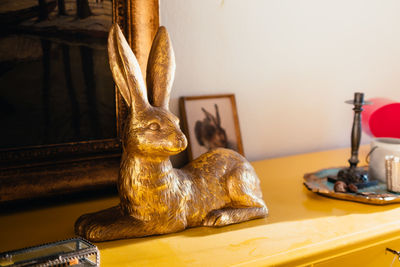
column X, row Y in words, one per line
column 209, row 122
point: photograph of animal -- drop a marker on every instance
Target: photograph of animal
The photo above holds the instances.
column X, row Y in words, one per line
column 210, row 121
column 218, row 188
column 209, row 132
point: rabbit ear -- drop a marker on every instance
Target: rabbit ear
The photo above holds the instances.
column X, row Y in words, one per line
column 217, row 114
column 208, row 114
column 126, row 70
column 210, row 117
column 160, row 69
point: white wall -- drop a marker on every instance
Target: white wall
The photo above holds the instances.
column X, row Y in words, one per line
column 290, row 63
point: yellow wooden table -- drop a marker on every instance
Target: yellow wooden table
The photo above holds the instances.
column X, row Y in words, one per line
column 302, row 229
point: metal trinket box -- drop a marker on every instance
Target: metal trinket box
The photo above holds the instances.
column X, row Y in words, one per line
column 70, row 252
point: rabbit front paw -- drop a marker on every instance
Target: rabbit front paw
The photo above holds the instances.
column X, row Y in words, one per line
column 99, row 226
column 87, row 227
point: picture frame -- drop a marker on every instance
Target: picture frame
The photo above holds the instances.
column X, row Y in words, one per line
column 210, row 121
column 41, row 170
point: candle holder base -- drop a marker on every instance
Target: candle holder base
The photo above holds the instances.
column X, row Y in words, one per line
column 357, row 176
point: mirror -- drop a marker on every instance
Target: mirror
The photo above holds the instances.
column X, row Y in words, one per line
column 55, row 78
column 58, row 107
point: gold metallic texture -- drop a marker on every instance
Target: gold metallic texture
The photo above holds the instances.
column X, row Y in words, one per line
column 218, row 188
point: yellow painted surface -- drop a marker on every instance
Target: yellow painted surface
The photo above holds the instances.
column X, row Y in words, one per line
column 302, row 229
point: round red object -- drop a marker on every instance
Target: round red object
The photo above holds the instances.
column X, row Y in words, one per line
column 382, row 118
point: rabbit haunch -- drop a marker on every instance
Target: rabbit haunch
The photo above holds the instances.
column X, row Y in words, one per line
column 218, row 188
column 154, row 191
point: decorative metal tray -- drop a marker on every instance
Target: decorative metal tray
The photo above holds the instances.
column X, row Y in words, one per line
column 317, row 182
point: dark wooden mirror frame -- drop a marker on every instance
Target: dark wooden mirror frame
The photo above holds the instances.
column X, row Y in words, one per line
column 44, row 171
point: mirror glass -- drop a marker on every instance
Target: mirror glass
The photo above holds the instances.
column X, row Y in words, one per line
column 55, row 82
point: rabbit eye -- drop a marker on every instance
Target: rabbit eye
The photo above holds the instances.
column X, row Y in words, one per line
column 154, row 126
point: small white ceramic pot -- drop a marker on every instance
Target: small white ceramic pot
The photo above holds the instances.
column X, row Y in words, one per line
column 380, row 148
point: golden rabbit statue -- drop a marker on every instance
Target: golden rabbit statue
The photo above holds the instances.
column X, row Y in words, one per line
column 218, row 188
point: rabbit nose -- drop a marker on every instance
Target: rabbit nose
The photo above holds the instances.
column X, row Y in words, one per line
column 182, row 142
